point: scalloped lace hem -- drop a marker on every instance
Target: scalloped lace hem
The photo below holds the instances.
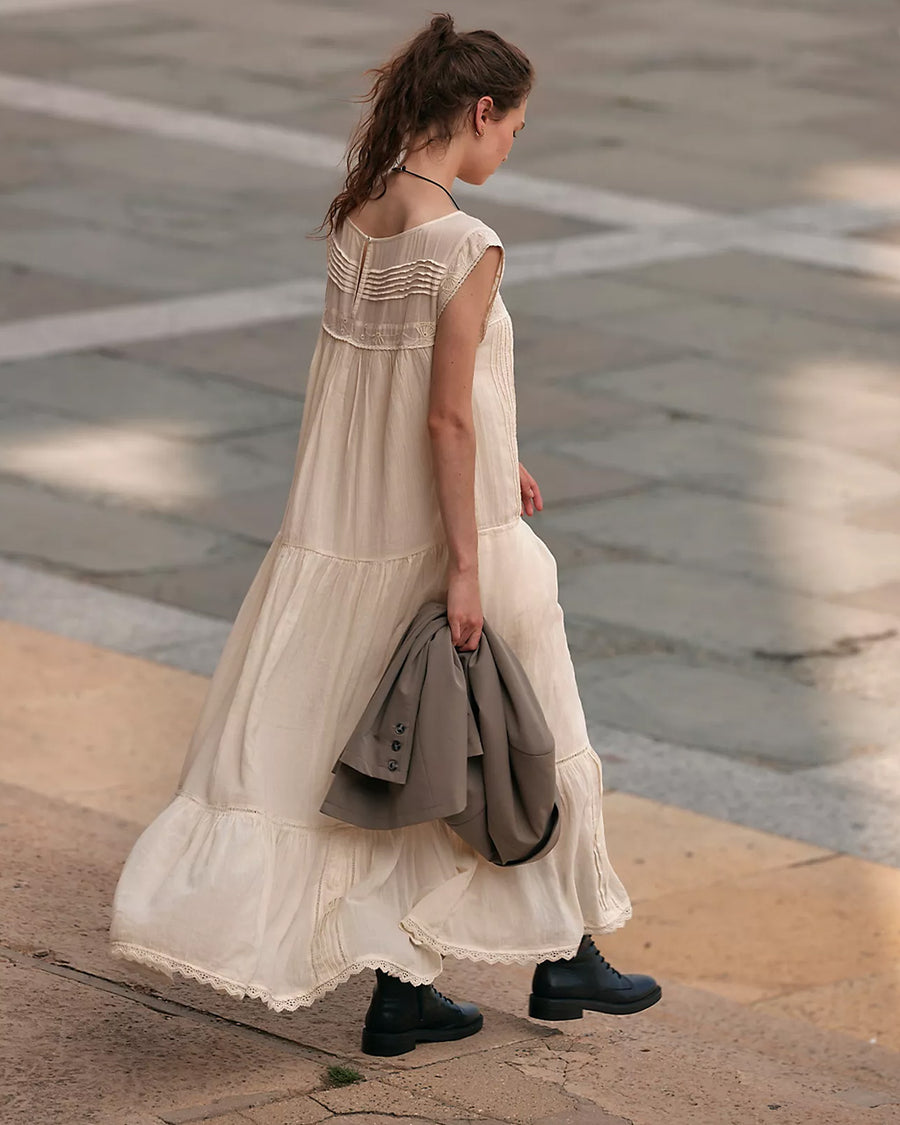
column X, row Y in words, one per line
column 161, row 962
column 421, row 936
column 492, row 957
column 125, row 951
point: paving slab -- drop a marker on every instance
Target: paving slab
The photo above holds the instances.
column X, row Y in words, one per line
column 851, row 807
column 753, row 27
column 140, row 1056
column 44, row 55
column 219, row 219
column 715, row 456
column 193, row 653
column 22, row 291
column 254, row 513
column 17, row 219
column 24, row 164
column 292, row 1111
column 745, row 1088
column 163, row 161
column 726, row 93
column 562, row 479
column 130, row 262
column 129, row 463
column 114, row 391
column 704, row 609
column 689, row 180
column 792, row 149
column 735, row 330
column 497, row 1090
column 276, row 19
column 865, row 1007
column 774, row 546
column 748, row 714
column 582, row 300
column 211, row 589
column 62, row 908
column 819, row 402
column 864, row 669
column 75, row 21
column 734, row 931
column 71, row 534
column 659, row 849
column 58, row 916
column 273, row 356
column 252, row 50
column 199, row 87
column 546, row 352
column 761, row 280
column 60, row 692
column 544, row 409
column 86, row 612
column 374, row 1097
column 521, row 223
column 18, row 125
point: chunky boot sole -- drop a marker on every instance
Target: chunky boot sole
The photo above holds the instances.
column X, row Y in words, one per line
column 545, row 1008
column 385, row 1043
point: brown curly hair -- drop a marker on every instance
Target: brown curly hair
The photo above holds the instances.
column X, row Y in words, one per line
column 428, row 85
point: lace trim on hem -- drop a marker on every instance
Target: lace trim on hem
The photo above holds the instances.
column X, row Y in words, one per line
column 125, row 951
column 617, row 923
column 421, row 936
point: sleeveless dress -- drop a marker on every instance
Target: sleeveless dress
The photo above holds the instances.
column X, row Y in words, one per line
column 240, row 881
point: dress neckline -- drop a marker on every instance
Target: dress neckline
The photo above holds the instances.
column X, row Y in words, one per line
column 399, row 234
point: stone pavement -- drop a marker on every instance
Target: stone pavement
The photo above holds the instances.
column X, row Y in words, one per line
column 778, row 959
column 702, row 226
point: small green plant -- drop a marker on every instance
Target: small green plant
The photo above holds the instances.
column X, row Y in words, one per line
column 338, row 1075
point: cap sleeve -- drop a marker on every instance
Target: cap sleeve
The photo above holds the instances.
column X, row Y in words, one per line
column 465, row 257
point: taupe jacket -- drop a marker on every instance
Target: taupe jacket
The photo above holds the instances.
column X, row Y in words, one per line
column 455, row 735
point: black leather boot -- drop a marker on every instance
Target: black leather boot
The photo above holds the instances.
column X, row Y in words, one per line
column 561, row 990
column 402, row 1015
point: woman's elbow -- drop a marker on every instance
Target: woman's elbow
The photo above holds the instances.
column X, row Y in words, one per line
column 450, row 425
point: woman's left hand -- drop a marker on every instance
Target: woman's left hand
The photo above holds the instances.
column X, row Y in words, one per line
column 531, row 494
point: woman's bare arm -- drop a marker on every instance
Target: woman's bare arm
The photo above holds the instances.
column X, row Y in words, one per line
column 452, row 430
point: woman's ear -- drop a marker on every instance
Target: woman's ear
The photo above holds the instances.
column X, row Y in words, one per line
column 484, row 107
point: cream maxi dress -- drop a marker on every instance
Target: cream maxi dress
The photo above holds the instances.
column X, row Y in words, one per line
column 240, row 881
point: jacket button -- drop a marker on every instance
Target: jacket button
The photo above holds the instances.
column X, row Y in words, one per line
column 400, row 728
column 395, row 745
column 392, row 764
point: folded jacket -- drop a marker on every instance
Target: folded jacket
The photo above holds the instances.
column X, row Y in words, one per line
column 453, row 735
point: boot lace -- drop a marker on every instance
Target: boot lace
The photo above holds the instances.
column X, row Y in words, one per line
column 596, row 952
column 441, row 996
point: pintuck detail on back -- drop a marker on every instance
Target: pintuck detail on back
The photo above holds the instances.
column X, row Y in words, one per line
column 241, row 881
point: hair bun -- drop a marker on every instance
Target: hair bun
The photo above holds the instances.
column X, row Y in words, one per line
column 442, row 28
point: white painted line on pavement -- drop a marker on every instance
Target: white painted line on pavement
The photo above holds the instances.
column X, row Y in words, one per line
column 157, row 320
column 72, row 103
column 802, row 805
column 578, row 256
column 866, row 257
column 116, row 620
column 660, row 231
column 313, row 150
column 578, row 201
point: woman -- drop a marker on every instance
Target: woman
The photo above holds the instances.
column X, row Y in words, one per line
column 407, row 487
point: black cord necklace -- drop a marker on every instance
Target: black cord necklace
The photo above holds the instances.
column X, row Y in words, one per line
column 403, row 168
